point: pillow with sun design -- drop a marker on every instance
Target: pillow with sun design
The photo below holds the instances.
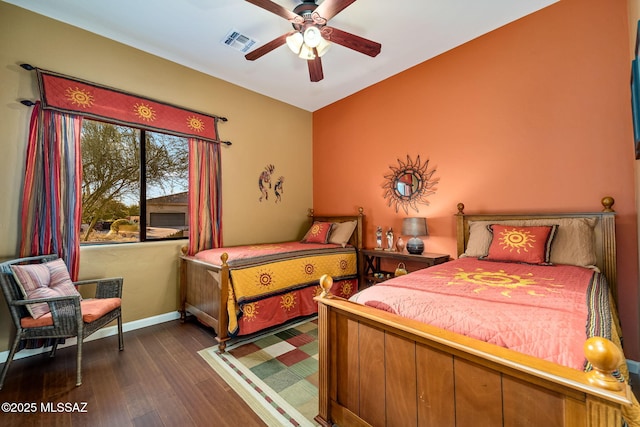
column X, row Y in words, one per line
column 530, row 245
column 573, row 243
column 318, row 233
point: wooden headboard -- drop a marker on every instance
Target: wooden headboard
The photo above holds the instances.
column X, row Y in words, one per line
column 356, row 238
column 605, row 233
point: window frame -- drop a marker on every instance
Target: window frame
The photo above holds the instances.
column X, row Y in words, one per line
column 142, row 181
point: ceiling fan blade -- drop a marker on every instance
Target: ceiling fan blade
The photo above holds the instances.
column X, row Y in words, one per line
column 315, row 69
column 351, row 41
column 275, row 8
column 267, row 47
column 330, row 8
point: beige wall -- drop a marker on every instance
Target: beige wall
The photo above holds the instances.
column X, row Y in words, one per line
column 263, row 131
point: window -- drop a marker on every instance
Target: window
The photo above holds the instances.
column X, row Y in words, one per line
column 132, row 191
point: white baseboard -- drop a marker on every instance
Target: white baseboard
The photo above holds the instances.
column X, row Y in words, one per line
column 102, row 333
column 634, row 367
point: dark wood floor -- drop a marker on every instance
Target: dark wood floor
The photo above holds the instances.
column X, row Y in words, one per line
column 158, row 380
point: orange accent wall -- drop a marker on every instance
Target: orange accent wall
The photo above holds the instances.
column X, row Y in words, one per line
column 534, row 116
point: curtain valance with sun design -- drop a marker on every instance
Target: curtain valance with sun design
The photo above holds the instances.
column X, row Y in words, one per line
column 70, row 95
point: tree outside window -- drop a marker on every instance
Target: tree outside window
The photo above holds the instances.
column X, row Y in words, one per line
column 132, row 191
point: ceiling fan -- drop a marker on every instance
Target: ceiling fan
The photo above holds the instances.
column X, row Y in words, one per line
column 311, row 34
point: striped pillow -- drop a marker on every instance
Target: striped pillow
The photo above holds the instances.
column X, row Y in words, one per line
column 49, row 279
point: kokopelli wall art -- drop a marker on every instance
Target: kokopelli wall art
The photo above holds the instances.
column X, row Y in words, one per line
column 267, row 183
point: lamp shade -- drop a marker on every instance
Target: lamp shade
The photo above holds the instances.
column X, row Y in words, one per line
column 312, row 36
column 303, row 44
column 306, row 52
column 323, row 47
column 415, row 227
column 294, row 41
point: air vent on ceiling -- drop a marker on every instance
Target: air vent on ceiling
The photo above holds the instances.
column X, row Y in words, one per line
column 238, row 41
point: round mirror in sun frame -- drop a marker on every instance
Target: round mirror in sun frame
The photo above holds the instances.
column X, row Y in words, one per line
column 409, row 184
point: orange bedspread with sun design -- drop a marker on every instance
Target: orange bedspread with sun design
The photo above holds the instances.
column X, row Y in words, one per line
column 272, row 283
column 544, row 311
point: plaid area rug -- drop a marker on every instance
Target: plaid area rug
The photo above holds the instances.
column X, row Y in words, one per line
column 275, row 373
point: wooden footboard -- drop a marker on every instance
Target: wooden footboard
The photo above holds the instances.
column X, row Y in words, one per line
column 204, row 289
column 379, row 369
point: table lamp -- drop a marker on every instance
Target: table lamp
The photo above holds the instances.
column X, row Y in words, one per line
column 415, row 227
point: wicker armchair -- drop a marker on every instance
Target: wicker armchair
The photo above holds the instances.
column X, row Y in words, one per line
column 66, row 319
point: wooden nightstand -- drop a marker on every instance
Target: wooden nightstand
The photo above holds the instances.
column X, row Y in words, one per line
column 372, row 272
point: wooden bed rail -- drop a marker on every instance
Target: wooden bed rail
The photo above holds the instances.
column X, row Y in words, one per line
column 361, row 347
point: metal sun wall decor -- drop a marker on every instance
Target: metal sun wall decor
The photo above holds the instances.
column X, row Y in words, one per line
column 264, row 184
column 409, row 183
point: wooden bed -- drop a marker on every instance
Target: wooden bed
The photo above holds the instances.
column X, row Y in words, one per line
column 377, row 368
column 205, row 287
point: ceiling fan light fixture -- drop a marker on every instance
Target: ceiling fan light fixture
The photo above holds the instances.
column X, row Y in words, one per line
column 306, row 52
column 309, row 21
column 323, row 47
column 312, row 36
column 295, row 41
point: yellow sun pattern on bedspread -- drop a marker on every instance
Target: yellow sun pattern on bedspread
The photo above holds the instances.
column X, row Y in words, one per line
column 250, row 311
column 253, row 287
column 277, row 309
column 288, row 301
column 500, row 279
column 253, row 282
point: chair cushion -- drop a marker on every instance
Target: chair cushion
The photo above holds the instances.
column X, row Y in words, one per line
column 92, row 309
column 45, row 280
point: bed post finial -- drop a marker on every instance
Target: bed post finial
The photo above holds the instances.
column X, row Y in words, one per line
column 461, row 208
column 361, row 211
column 326, row 282
column 605, row 358
column 310, row 214
column 607, row 202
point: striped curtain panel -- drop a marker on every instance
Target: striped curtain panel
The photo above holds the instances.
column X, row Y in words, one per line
column 51, row 209
column 205, row 200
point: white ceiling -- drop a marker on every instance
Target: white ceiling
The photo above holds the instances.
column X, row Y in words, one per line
column 189, row 32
